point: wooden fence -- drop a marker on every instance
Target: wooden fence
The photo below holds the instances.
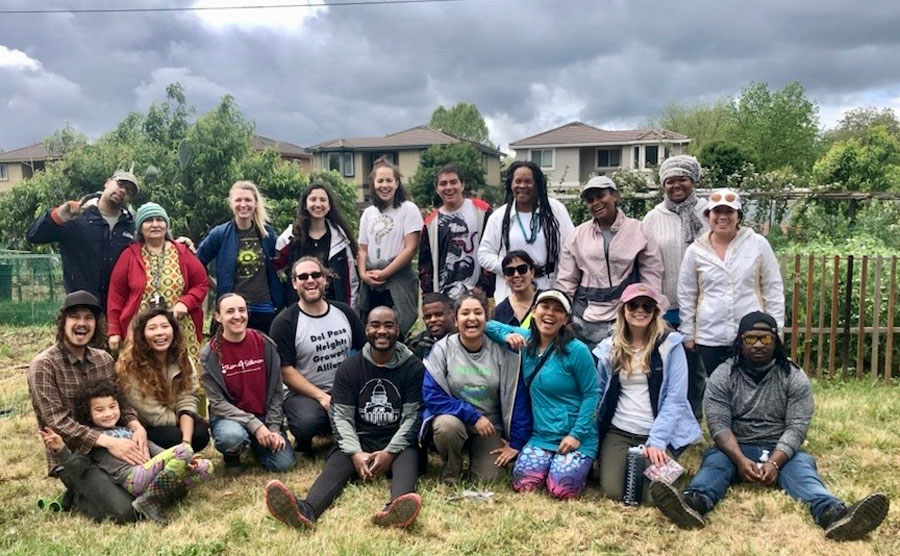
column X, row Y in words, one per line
column 841, row 315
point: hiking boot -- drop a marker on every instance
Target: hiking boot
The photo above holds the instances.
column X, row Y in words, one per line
column 232, row 465
column 856, row 521
column 400, row 513
column 285, row 507
column 148, row 505
column 673, row 506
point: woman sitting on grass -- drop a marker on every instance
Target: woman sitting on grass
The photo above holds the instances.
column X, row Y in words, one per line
column 559, row 373
column 475, row 400
column 155, row 483
column 643, row 374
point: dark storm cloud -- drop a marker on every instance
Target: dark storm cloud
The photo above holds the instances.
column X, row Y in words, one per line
column 527, row 64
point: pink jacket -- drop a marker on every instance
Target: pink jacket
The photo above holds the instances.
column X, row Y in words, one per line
column 587, row 274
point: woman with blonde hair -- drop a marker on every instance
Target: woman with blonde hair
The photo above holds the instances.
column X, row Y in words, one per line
column 244, row 249
column 161, row 381
column 643, row 377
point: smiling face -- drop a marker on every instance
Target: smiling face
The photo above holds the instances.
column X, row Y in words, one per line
column 523, row 185
column 79, row 327
column 117, row 193
column 159, row 333
column 438, row 318
column 549, row 317
column 385, row 184
column 678, row 188
column 519, row 281
column 450, row 189
column 154, row 229
column 470, row 319
column 232, row 315
column 723, row 219
column 243, row 203
column 601, row 203
column 105, row 412
column 309, row 281
column 381, row 329
column 639, row 313
column 317, row 203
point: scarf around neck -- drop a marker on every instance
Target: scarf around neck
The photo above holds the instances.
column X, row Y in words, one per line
column 690, row 222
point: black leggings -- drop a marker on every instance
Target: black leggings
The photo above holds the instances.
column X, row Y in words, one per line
column 339, row 469
column 168, row 436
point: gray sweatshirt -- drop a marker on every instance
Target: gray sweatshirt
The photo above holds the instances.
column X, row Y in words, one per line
column 777, row 411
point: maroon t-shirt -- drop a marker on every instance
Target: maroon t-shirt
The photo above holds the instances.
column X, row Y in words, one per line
column 244, row 370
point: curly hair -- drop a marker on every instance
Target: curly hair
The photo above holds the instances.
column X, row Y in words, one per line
column 97, row 341
column 138, row 365
column 542, row 211
column 101, row 388
column 300, row 229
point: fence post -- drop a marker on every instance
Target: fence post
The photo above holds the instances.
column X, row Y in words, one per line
column 845, row 341
column 861, row 329
column 810, row 307
column 832, row 337
column 795, row 308
column 889, row 343
column 876, row 317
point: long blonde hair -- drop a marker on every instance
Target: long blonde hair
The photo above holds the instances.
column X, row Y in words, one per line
column 260, row 215
column 623, row 353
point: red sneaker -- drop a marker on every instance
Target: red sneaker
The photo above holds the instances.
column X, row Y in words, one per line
column 283, row 506
column 400, row 513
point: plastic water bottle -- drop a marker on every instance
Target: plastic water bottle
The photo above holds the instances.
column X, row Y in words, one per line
column 634, row 476
column 763, row 458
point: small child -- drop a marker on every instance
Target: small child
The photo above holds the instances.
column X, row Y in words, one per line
column 153, row 483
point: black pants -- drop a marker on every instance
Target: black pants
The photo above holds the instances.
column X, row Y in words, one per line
column 713, row 356
column 94, row 492
column 306, row 418
column 696, row 382
column 339, row 469
column 168, row 436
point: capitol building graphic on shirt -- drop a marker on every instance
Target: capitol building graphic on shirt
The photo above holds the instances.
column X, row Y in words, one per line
column 379, row 410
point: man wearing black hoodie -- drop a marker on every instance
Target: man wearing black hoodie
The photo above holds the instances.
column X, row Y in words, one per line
column 376, row 410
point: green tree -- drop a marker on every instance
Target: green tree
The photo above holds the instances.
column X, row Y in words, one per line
column 721, row 158
column 779, row 128
column 462, row 120
column 465, row 156
column 857, row 122
column 868, row 163
column 703, row 122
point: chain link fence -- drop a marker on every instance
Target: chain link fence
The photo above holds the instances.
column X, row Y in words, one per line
column 31, row 288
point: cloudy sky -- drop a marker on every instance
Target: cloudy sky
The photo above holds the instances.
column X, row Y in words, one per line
column 306, row 75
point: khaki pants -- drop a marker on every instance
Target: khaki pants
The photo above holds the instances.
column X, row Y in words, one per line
column 613, row 450
column 452, row 438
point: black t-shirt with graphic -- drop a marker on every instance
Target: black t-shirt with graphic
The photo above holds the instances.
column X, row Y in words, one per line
column 250, row 279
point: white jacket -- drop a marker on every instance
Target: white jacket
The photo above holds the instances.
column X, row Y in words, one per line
column 713, row 295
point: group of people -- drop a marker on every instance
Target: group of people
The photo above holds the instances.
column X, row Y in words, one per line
column 613, row 336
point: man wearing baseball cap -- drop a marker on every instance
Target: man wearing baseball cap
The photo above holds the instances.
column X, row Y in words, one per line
column 56, row 377
column 758, row 410
column 600, row 258
column 91, row 234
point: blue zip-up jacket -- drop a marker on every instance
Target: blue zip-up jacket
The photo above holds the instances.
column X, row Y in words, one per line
column 221, row 244
column 673, row 420
column 515, row 406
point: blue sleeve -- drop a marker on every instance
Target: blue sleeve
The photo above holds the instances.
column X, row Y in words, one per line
column 521, row 419
column 673, row 400
column 603, row 374
column 440, row 402
column 581, row 365
column 498, row 332
column 209, row 247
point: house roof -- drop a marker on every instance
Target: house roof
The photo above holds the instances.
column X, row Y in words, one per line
column 30, row 153
column 284, row 148
column 578, row 133
column 419, row 137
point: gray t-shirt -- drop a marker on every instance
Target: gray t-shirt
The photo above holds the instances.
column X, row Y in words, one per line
column 473, row 377
column 322, row 343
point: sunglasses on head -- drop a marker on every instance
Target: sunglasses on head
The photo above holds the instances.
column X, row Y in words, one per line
column 304, row 276
column 751, row 340
column 646, row 306
column 518, row 269
column 729, row 197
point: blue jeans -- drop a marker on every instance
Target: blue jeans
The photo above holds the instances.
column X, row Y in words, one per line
column 232, row 437
column 798, row 478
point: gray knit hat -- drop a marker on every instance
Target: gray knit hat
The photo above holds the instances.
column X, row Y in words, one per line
column 680, row 165
column 148, row 211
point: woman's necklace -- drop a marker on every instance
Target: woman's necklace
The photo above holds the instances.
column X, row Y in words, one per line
column 535, row 229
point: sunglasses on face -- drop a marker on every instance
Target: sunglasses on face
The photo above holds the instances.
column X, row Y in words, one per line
column 750, row 340
column 729, row 197
column 519, row 269
column 304, row 276
column 646, row 306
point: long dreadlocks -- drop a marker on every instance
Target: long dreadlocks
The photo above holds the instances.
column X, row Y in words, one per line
column 546, row 218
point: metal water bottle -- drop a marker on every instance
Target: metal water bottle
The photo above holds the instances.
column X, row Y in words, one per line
column 634, row 476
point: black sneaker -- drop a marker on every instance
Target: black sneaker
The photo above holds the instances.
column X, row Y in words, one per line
column 858, row 520
column 673, row 506
column 232, row 465
column 285, row 507
column 696, row 501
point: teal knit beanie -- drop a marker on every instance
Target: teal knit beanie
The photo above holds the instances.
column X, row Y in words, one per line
column 147, row 211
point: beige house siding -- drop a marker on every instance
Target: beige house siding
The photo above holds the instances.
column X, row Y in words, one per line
column 492, row 175
column 408, row 161
column 14, row 175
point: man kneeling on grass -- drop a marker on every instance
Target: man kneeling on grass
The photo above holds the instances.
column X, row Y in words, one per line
column 376, row 410
column 759, row 402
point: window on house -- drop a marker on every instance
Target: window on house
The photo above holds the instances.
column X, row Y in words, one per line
column 637, row 158
column 341, row 162
column 651, row 155
column 484, row 160
column 609, row 158
column 543, row 158
column 4, row 174
column 667, row 153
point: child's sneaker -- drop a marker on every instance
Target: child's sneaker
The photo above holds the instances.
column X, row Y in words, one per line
column 855, row 522
column 201, row 472
column 285, row 507
column 401, row 512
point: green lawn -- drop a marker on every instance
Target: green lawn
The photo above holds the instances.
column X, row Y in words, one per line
column 854, row 437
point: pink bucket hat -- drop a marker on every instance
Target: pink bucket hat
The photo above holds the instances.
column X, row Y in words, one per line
column 639, row 289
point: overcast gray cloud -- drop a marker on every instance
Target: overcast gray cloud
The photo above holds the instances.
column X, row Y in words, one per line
column 310, row 75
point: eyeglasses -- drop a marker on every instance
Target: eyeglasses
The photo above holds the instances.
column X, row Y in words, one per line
column 519, row 269
column 646, row 306
column 304, row 276
column 729, row 197
column 751, row 340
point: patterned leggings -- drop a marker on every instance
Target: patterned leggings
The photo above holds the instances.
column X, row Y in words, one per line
column 171, row 465
column 564, row 475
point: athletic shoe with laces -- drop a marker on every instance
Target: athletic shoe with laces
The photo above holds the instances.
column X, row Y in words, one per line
column 672, row 505
column 400, row 513
column 855, row 522
column 285, row 507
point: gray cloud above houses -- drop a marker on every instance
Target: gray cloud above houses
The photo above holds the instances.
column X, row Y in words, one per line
column 355, row 71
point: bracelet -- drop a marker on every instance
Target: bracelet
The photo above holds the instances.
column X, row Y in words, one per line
column 773, row 463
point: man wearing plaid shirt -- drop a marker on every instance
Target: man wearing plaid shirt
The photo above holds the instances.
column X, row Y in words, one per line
column 55, row 378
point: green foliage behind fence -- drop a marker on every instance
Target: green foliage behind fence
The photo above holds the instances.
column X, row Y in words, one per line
column 31, row 288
